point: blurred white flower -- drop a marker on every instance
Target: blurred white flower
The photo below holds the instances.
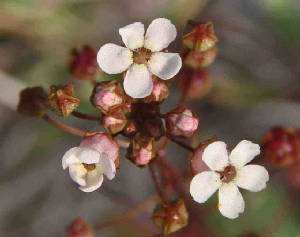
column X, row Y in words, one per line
column 227, row 174
column 142, row 57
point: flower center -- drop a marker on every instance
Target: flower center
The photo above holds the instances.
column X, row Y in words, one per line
column 89, row 167
column 228, row 174
column 141, row 56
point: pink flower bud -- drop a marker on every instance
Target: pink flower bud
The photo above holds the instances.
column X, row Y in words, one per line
column 197, row 60
column 170, row 217
column 159, row 93
column 62, row 100
column 107, row 96
column 201, row 38
column 83, row 63
column 32, row 102
column 114, row 121
column 79, row 228
column 181, row 122
column 280, row 146
column 141, row 151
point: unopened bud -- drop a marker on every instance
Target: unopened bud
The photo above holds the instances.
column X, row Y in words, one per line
column 114, row 121
column 170, row 217
column 181, row 122
column 281, row 146
column 197, row 60
column 83, row 63
column 201, row 38
column 62, row 100
column 32, row 102
column 107, row 96
column 159, row 93
column 79, row 228
column 130, row 129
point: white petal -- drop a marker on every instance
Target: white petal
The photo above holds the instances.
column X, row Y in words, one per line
column 204, row 185
column 93, row 181
column 215, row 156
column 133, row 35
column 106, row 166
column 114, row 59
column 78, row 173
column 243, row 153
column 87, row 155
column 165, row 65
column 231, row 202
column 252, row 177
column 70, row 157
column 160, row 33
column 138, row 81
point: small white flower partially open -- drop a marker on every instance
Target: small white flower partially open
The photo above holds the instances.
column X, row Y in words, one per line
column 92, row 159
column 142, row 57
column 227, row 174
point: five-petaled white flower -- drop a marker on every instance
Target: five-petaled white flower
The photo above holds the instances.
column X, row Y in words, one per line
column 227, row 174
column 142, row 57
column 88, row 162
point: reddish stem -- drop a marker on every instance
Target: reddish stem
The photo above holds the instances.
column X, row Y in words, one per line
column 182, row 144
column 80, row 115
column 158, row 187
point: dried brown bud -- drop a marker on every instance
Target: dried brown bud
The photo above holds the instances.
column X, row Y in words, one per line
column 62, row 100
column 141, row 151
column 115, row 120
column 79, row 228
column 32, row 102
column 153, row 127
column 281, row 146
column 170, row 217
column 130, row 129
column 201, row 38
column 83, row 63
column 181, row 122
column 197, row 60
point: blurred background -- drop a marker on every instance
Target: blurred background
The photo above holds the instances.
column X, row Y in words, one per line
column 255, row 86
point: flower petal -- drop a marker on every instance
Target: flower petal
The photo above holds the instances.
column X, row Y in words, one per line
column 70, row 157
column 204, row 185
column 106, row 166
column 165, row 65
column 138, row 81
column 243, row 153
column 133, row 35
column 78, row 173
column 252, row 178
column 231, row 202
column 94, row 180
column 160, row 33
column 215, row 156
column 114, row 59
column 87, row 155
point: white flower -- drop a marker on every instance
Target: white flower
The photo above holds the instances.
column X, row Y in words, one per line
column 142, row 57
column 227, row 174
column 92, row 159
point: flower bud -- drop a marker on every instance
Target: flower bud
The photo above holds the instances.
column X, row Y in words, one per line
column 114, row 121
column 32, row 102
column 62, row 100
column 83, row 63
column 170, row 217
column 130, row 129
column 195, row 83
column 201, row 38
column 197, row 60
column 79, row 228
column 197, row 164
column 280, row 146
column 141, row 151
column 181, row 122
column 159, row 93
column 107, row 96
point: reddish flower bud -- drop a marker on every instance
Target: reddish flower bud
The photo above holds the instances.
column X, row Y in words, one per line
column 107, row 96
column 280, row 146
column 197, row 164
column 32, row 102
column 141, row 151
column 159, row 93
column 62, row 100
column 130, row 129
column 195, row 83
column 170, row 217
column 181, row 122
column 79, row 228
column 115, row 120
column 83, row 63
column 201, row 38
column 197, row 60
